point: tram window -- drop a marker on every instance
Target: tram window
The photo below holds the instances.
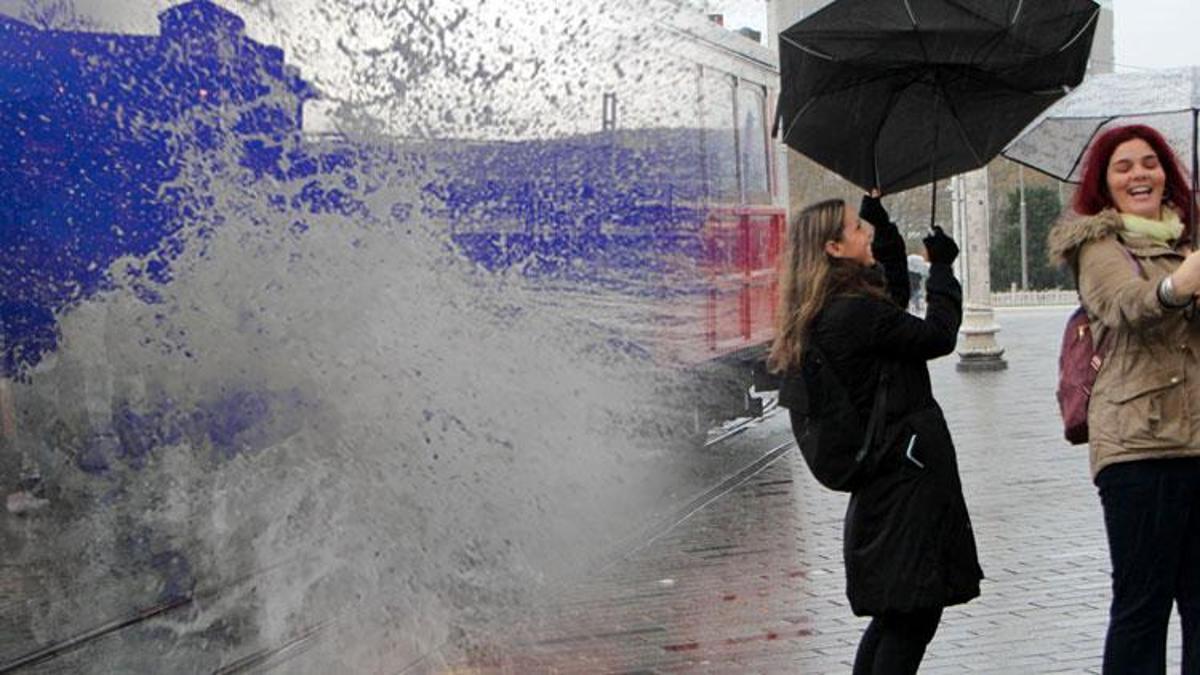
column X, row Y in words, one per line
column 753, row 144
column 720, row 140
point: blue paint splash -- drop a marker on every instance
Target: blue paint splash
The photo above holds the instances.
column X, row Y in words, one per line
column 236, row 423
column 602, row 207
column 101, row 127
column 95, row 125
column 151, row 553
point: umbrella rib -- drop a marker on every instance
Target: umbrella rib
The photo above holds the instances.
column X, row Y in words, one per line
column 1195, row 178
column 807, row 50
column 855, row 84
column 996, row 40
column 1066, row 45
column 1079, row 157
column 975, row 13
column 962, row 130
column 1153, row 113
column 1073, row 40
column 988, row 46
column 966, row 73
column 813, row 99
column 796, row 118
column 940, row 91
column 986, row 39
column 1022, row 162
column 879, row 131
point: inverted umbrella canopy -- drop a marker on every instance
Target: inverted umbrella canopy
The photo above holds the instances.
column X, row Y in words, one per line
column 898, row 93
column 1168, row 100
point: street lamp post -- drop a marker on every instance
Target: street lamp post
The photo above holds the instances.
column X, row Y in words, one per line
column 957, row 225
column 1024, row 231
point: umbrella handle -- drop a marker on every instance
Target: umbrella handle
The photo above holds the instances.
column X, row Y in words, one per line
column 1195, row 169
column 932, row 205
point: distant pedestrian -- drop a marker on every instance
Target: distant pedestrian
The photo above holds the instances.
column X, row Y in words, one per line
column 918, row 269
column 909, row 550
column 1144, row 412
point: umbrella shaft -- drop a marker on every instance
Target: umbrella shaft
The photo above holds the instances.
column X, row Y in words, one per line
column 1195, row 163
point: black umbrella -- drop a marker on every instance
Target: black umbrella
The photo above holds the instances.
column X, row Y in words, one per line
column 898, row 93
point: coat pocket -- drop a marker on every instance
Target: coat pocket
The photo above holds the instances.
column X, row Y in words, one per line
column 1152, row 411
column 920, row 442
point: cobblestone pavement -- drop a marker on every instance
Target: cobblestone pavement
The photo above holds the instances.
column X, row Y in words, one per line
column 753, row 583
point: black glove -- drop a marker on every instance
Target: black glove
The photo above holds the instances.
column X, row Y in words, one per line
column 872, row 211
column 940, row 248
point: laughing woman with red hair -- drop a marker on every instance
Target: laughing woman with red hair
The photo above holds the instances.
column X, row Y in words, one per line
column 1138, row 277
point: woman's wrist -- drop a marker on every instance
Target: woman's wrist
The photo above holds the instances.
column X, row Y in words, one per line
column 1169, row 297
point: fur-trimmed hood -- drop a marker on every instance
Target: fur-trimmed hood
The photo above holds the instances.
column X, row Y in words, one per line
column 1073, row 231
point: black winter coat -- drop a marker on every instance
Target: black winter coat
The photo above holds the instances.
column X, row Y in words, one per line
column 908, row 542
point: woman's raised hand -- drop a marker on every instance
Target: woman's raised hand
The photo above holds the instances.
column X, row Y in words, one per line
column 939, row 247
column 872, row 211
column 1186, row 279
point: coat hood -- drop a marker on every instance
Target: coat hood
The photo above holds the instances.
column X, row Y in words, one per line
column 1070, row 233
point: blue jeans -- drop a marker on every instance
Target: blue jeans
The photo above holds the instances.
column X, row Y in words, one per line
column 1152, row 514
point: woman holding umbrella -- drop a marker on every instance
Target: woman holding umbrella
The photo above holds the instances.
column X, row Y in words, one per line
column 1138, row 278
column 909, row 549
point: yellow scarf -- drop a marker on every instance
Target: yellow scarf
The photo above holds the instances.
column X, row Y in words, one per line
column 1166, row 229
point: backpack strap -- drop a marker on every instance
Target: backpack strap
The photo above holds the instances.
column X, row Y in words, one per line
column 1137, row 266
column 1102, row 335
column 878, row 408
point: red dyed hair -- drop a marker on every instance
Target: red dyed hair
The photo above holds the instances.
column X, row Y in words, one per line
column 1092, row 195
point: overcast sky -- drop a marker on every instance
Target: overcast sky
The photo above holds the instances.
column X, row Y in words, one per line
column 1156, row 33
column 1147, row 33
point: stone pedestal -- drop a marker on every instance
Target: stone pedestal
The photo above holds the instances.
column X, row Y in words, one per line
column 978, row 349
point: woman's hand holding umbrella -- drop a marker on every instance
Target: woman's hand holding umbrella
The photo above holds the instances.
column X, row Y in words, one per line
column 1183, row 283
column 871, row 210
column 940, row 249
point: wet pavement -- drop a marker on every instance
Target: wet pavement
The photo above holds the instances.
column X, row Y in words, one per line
column 751, row 581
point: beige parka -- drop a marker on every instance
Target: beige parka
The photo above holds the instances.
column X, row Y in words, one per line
column 1146, row 400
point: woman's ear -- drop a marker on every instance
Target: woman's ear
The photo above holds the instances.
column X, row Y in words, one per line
column 833, row 249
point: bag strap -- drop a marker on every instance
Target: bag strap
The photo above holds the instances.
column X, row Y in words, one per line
column 875, row 421
column 878, row 407
column 1102, row 336
column 1137, row 266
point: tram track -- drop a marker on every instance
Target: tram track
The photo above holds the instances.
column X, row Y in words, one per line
column 630, row 545
column 770, row 409
column 676, row 518
column 626, row 548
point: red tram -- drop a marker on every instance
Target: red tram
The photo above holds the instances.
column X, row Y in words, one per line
column 745, row 216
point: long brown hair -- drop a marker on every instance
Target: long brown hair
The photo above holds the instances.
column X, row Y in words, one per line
column 809, row 277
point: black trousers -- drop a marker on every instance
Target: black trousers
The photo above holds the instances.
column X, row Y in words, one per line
column 1152, row 514
column 894, row 643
